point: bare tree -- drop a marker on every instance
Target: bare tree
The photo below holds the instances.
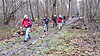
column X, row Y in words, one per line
column 3, row 1
column 54, row 8
column 31, row 10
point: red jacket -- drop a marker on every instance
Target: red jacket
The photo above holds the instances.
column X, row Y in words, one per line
column 59, row 20
column 26, row 22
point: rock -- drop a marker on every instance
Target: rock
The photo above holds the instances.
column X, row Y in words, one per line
column 14, row 51
column 22, row 54
column 40, row 37
column 19, row 32
column 22, row 32
column 3, row 54
column 43, row 36
column 98, row 27
column 78, row 27
column 72, row 27
column 85, row 25
column 55, row 33
column 29, row 44
column 1, row 50
column 34, row 42
column 14, row 43
column 9, row 55
column 7, row 41
column 36, row 24
column 16, row 34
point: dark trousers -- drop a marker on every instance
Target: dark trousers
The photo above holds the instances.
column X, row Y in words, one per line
column 54, row 24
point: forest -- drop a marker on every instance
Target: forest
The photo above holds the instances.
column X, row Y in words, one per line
column 78, row 34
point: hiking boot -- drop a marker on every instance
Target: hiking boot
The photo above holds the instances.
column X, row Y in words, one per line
column 25, row 40
column 29, row 37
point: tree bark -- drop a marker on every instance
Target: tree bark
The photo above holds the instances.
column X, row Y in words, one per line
column 31, row 10
column 54, row 8
column 69, row 8
column 4, row 15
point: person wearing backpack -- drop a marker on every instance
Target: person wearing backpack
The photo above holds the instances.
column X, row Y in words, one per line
column 54, row 21
column 27, row 24
column 46, row 20
column 59, row 22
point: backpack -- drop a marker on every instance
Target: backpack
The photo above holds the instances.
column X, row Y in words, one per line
column 28, row 21
column 73, row 16
column 31, row 21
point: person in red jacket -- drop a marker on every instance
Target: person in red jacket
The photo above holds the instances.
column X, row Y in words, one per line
column 26, row 22
column 59, row 22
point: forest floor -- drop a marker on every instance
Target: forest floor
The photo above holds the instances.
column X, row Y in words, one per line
column 67, row 42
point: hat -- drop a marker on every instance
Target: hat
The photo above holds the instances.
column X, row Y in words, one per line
column 59, row 15
column 25, row 16
column 54, row 15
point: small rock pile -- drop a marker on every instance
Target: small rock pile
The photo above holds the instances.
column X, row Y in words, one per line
column 19, row 33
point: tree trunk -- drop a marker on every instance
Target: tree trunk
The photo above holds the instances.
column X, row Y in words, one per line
column 3, row 1
column 31, row 10
column 69, row 8
column 54, row 8
column 47, row 12
column 38, row 10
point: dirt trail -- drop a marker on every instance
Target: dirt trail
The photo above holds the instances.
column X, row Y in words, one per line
column 10, row 49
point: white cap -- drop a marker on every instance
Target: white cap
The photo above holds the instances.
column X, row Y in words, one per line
column 54, row 15
column 59, row 15
column 25, row 16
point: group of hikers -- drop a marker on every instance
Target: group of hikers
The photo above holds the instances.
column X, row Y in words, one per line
column 56, row 21
column 27, row 22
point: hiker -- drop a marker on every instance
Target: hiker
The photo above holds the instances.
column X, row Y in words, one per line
column 46, row 19
column 27, row 24
column 54, row 21
column 64, row 18
column 59, row 22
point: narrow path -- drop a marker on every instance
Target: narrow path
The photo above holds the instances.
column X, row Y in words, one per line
column 20, row 46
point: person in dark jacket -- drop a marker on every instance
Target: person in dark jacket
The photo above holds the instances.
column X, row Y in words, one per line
column 64, row 18
column 54, row 21
column 46, row 19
